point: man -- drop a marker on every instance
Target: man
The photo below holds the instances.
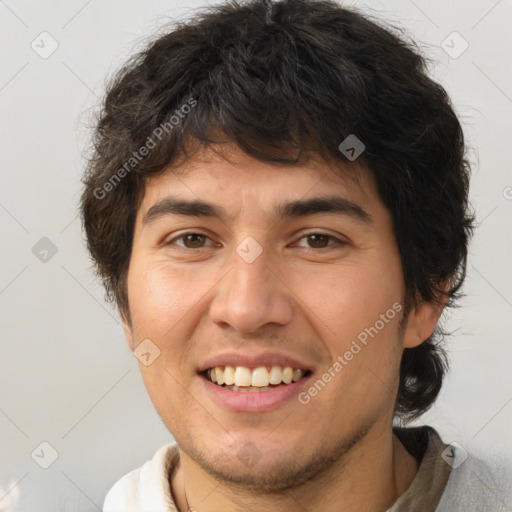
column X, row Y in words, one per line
column 277, row 204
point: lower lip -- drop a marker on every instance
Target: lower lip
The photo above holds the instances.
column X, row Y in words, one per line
column 258, row 401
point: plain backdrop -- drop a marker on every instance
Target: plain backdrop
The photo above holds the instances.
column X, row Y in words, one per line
column 67, row 376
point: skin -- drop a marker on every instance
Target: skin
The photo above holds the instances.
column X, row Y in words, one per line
column 195, row 299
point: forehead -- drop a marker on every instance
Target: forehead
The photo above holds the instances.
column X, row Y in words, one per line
column 228, row 174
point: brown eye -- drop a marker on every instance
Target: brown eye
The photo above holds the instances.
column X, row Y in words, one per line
column 194, row 240
column 318, row 240
column 190, row 241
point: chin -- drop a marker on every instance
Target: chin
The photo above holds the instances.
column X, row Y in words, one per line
column 270, row 466
column 265, row 475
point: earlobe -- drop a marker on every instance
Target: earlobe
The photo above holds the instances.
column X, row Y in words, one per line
column 421, row 323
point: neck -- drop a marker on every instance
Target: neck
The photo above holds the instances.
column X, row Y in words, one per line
column 369, row 478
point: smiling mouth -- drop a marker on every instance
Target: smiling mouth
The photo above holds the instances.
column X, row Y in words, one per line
column 254, row 380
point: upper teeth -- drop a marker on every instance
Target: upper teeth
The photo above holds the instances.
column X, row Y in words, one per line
column 259, row 377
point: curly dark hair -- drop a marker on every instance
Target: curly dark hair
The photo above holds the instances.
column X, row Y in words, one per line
column 286, row 81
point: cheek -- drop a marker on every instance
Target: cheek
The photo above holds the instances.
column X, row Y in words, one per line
column 357, row 311
column 348, row 299
column 161, row 295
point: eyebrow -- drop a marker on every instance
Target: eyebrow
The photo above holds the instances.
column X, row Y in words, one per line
column 301, row 208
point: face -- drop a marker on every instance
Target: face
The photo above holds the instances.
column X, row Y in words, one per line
column 275, row 281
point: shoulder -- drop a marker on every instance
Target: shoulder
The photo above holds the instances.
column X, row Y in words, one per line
column 476, row 484
column 123, row 496
column 145, row 488
column 453, row 480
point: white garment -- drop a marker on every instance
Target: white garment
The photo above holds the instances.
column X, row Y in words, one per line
column 145, row 489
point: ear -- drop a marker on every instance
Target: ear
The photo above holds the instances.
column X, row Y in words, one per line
column 128, row 332
column 421, row 322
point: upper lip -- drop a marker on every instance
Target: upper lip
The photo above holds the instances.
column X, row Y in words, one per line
column 254, row 360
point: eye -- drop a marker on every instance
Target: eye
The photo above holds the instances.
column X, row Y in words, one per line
column 191, row 240
column 320, row 240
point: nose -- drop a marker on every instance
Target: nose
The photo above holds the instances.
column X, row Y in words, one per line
column 252, row 295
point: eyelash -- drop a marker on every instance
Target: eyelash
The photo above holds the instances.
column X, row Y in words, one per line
column 329, row 236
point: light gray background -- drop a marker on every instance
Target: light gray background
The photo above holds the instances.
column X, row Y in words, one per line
column 67, row 376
